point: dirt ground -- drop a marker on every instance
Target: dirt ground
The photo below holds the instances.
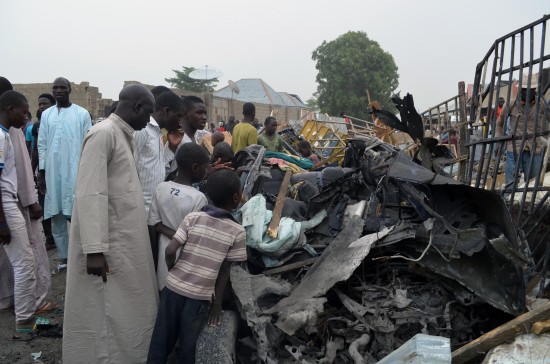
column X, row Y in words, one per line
column 16, row 351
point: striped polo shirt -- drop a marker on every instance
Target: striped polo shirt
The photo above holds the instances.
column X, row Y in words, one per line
column 211, row 236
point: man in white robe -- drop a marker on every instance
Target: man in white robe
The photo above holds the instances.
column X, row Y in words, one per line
column 32, row 212
column 62, row 130
column 110, row 319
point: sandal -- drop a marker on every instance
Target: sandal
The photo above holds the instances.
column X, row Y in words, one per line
column 46, row 307
column 60, row 269
column 43, row 323
column 26, row 326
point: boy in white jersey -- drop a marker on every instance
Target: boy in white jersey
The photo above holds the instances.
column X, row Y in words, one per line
column 212, row 240
column 173, row 200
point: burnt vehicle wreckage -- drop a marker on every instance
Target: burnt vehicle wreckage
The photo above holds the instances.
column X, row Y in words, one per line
column 349, row 262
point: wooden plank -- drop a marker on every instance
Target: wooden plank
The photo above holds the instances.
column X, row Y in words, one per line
column 501, row 334
column 273, row 228
column 291, row 266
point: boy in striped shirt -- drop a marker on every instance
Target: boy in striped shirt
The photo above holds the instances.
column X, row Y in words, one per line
column 211, row 241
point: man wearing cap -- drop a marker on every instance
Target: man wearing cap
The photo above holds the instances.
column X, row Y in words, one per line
column 525, row 119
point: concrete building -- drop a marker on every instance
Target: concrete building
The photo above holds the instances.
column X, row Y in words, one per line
column 268, row 102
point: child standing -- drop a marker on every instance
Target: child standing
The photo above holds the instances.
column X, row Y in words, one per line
column 175, row 199
column 13, row 231
column 269, row 138
column 211, row 241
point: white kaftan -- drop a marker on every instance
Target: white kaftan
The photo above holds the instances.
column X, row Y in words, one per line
column 109, row 322
column 62, row 131
column 26, row 195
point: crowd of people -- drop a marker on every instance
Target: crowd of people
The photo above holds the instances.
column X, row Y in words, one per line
column 140, row 214
column 523, row 119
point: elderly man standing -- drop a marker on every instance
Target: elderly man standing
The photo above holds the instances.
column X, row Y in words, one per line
column 62, row 131
column 110, row 319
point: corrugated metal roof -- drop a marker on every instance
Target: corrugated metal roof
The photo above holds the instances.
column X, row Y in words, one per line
column 291, row 100
column 253, row 90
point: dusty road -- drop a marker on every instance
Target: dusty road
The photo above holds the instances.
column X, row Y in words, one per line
column 15, row 351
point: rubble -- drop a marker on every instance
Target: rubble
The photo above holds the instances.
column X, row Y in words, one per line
column 421, row 349
column 526, row 348
column 500, row 335
column 388, row 245
column 383, row 251
column 217, row 344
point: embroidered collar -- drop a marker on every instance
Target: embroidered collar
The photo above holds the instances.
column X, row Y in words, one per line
column 216, row 212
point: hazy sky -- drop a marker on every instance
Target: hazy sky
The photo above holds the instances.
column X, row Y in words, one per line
column 434, row 43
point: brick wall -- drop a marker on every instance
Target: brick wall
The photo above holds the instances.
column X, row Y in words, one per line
column 82, row 94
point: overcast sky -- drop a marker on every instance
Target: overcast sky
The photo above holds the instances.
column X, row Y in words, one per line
column 434, row 43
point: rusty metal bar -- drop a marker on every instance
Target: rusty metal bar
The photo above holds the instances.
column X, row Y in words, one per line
column 525, row 127
column 463, row 136
column 493, row 121
column 538, row 112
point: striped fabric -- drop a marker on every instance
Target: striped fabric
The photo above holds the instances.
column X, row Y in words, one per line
column 211, row 237
column 150, row 159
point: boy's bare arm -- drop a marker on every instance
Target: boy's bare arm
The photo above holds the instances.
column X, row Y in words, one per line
column 215, row 316
column 165, row 230
column 34, row 160
column 170, row 253
column 153, row 238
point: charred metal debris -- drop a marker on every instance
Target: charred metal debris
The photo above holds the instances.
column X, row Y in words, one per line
column 346, row 264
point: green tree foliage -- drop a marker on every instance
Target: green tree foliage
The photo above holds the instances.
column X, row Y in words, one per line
column 349, row 66
column 182, row 81
column 312, row 104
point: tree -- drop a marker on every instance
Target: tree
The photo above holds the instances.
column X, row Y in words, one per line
column 182, row 81
column 349, row 66
column 312, row 104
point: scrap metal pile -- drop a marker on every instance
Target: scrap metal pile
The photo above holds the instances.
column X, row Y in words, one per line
column 346, row 264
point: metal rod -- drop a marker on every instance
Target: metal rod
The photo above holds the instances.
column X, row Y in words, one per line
column 364, row 121
column 515, row 152
column 527, row 174
column 539, row 205
column 537, row 223
column 463, row 135
column 538, row 112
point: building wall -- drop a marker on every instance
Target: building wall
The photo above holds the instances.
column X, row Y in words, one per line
column 82, row 94
column 218, row 108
